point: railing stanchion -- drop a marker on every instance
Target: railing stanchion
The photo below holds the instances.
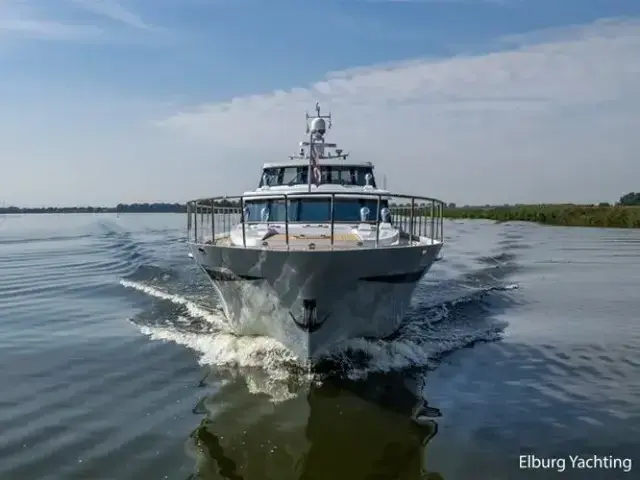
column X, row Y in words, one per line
column 433, row 222
column 242, row 216
column 286, row 220
column 202, row 224
column 413, row 203
column 332, row 217
column 213, row 222
column 378, row 216
column 188, row 221
column 404, row 218
column 195, row 223
column 441, row 222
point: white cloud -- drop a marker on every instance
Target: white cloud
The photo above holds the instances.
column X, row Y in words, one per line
column 114, row 11
column 35, row 19
column 20, row 19
column 552, row 121
column 33, row 28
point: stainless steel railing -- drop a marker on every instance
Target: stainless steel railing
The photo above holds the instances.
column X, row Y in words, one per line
column 210, row 220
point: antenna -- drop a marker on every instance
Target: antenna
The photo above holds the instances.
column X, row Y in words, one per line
column 317, row 129
column 318, row 115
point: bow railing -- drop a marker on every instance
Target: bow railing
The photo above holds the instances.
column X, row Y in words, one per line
column 210, row 220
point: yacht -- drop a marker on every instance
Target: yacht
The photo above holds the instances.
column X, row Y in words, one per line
column 318, row 253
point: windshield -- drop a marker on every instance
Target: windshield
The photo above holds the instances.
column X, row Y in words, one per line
column 331, row 174
column 314, row 210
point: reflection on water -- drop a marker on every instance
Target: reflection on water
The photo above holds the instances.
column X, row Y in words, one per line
column 334, row 429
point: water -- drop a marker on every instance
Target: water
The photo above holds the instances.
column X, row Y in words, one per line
column 116, row 363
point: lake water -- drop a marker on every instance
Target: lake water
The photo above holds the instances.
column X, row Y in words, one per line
column 524, row 340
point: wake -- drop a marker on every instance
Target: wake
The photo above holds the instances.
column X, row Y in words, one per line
column 428, row 334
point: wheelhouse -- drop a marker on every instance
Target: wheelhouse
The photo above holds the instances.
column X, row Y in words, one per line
column 341, row 174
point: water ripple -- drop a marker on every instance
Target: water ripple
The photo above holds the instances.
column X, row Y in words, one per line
column 550, row 313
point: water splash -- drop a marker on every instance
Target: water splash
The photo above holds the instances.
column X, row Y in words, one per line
column 429, row 333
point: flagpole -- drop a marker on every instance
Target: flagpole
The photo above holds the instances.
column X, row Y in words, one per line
column 309, row 170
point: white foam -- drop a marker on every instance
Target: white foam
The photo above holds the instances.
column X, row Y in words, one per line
column 226, row 349
column 236, row 355
column 194, row 310
column 401, row 353
column 221, row 349
column 417, row 345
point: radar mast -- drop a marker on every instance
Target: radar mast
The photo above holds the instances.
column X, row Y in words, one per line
column 317, row 127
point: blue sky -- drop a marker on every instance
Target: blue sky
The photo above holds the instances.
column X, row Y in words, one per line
column 472, row 101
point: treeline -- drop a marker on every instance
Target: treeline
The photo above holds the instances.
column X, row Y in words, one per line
column 624, row 214
column 120, row 208
column 630, row 199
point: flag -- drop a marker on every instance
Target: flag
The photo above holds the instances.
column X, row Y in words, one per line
column 315, row 170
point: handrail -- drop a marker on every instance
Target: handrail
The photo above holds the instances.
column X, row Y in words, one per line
column 320, row 193
column 416, row 217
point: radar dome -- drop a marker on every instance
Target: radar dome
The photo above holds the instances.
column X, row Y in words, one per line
column 318, row 125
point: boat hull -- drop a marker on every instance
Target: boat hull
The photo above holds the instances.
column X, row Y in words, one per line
column 311, row 300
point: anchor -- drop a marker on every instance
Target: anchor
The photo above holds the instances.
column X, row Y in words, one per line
column 310, row 322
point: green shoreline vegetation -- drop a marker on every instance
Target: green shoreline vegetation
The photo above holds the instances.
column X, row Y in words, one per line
column 624, row 214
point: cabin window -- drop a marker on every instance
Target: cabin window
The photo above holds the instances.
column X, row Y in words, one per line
column 275, row 209
column 345, row 175
column 284, row 176
column 314, row 210
column 331, row 174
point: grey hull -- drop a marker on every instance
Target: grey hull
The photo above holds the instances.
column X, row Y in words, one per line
column 311, row 300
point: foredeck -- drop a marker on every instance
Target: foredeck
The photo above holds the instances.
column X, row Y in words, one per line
column 319, row 244
column 418, row 219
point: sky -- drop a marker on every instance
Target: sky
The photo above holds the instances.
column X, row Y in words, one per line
column 469, row 101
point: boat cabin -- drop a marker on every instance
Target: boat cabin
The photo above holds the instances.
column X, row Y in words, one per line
column 317, row 210
column 328, row 165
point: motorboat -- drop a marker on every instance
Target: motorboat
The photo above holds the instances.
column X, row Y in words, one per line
column 318, row 253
